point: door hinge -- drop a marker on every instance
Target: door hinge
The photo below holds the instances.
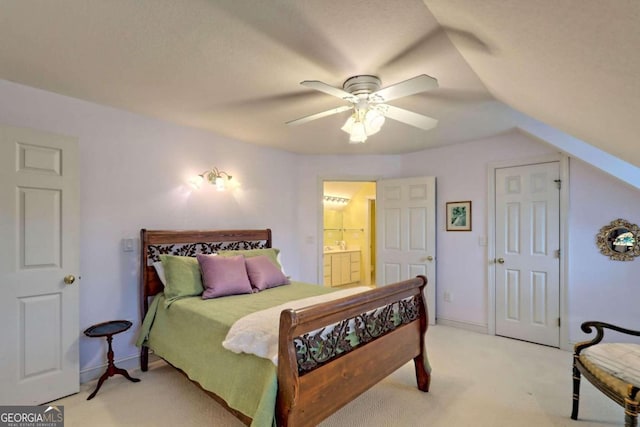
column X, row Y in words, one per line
column 558, row 183
column 558, row 253
column 558, row 322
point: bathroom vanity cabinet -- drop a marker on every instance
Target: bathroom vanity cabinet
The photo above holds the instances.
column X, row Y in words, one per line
column 341, row 267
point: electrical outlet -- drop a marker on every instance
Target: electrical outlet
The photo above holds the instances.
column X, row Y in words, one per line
column 447, row 296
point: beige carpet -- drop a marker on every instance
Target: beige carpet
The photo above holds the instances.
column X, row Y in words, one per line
column 478, row 380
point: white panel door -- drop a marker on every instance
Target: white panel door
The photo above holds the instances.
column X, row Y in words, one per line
column 527, row 257
column 38, row 247
column 406, row 233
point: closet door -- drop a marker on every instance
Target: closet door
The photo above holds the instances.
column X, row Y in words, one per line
column 39, row 266
column 527, row 265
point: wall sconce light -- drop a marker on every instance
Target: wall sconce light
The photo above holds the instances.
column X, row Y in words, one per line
column 214, row 176
column 336, row 199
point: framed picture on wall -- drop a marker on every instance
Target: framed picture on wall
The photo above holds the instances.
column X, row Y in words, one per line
column 459, row 216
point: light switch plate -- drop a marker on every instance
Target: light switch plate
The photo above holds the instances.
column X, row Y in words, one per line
column 127, row 245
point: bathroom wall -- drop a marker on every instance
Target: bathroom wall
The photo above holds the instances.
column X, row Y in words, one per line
column 356, row 226
column 332, row 219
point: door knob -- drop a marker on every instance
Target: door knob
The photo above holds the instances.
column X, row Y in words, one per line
column 500, row 260
column 69, row 279
column 429, row 258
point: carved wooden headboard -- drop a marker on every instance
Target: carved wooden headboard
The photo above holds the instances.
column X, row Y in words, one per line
column 154, row 243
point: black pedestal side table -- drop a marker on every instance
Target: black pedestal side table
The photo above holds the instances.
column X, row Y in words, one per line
column 109, row 329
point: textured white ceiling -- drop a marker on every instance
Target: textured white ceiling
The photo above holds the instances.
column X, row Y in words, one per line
column 234, row 67
column 572, row 64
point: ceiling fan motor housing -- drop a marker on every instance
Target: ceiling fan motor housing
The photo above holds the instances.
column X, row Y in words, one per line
column 361, row 85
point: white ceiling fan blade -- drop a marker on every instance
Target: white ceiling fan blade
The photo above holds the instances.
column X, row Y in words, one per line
column 409, row 117
column 319, row 115
column 412, row 86
column 334, row 91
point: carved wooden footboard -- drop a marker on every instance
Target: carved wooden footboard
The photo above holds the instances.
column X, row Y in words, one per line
column 318, row 373
column 329, row 353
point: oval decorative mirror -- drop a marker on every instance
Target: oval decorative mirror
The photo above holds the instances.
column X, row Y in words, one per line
column 619, row 240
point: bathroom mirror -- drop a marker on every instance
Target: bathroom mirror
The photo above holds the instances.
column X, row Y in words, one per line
column 619, row 240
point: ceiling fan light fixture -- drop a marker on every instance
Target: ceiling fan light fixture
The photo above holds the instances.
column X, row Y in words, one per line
column 348, row 125
column 358, row 133
column 363, row 123
column 373, row 121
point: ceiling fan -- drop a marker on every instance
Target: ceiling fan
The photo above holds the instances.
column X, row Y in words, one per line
column 368, row 103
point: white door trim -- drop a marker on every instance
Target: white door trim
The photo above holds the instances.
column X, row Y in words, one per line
column 564, row 240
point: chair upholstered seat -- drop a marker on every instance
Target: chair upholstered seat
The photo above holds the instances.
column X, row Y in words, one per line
column 616, row 385
column 619, row 360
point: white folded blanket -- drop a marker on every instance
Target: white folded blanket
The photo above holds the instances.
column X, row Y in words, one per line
column 257, row 333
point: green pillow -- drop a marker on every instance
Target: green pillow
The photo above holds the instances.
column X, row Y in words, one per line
column 183, row 277
column 271, row 253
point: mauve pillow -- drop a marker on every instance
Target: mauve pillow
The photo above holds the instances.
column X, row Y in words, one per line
column 223, row 276
column 263, row 274
column 271, row 253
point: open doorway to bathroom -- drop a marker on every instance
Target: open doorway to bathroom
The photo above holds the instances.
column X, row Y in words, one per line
column 349, row 233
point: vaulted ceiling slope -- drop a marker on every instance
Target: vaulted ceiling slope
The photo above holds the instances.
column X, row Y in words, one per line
column 567, row 68
column 572, row 65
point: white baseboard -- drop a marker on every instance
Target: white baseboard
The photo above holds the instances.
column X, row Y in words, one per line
column 473, row 327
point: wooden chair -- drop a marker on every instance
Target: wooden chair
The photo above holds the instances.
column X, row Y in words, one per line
column 619, row 387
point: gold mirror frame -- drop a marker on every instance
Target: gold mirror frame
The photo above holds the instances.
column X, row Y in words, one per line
column 608, row 233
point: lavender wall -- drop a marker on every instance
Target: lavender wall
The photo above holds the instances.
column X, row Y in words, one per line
column 461, row 172
column 134, row 173
column 599, row 288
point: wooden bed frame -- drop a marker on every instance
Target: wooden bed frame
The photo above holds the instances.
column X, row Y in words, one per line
column 312, row 387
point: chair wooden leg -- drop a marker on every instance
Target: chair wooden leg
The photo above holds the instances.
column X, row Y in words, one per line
column 630, row 413
column 576, row 390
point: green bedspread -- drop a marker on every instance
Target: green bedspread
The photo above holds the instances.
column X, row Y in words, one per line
column 189, row 335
